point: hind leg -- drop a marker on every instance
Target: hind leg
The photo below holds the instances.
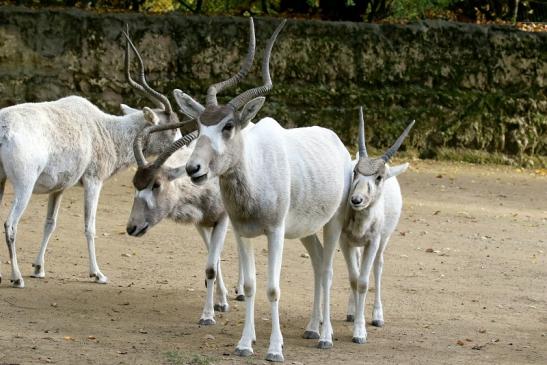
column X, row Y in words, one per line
column 51, row 219
column 315, row 250
column 20, row 202
column 331, row 235
column 2, row 185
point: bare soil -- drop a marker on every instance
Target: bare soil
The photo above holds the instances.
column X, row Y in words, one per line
column 465, row 283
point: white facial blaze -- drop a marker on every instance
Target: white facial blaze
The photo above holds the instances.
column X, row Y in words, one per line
column 214, row 132
column 148, row 197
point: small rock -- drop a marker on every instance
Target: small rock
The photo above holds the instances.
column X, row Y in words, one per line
column 91, row 337
column 143, row 331
column 209, row 337
column 126, row 255
column 482, row 330
column 460, row 342
column 305, row 255
column 54, row 305
column 429, row 250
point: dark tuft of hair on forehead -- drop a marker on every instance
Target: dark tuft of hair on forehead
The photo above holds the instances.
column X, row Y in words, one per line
column 213, row 114
column 144, row 177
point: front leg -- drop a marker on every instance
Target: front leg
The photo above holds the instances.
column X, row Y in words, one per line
column 247, row 259
column 352, row 258
column 359, row 327
column 92, row 190
column 214, row 240
column 275, row 254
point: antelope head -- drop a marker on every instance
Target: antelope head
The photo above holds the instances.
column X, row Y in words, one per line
column 219, row 144
column 152, row 181
column 369, row 173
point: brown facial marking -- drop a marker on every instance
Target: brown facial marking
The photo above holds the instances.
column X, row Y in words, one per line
column 144, row 177
column 368, row 167
column 214, row 114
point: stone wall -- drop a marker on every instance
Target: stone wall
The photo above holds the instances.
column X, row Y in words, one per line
column 468, row 86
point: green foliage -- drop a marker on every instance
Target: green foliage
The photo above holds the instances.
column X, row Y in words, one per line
column 417, row 9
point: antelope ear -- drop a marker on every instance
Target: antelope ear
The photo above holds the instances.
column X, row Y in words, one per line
column 187, row 105
column 150, row 117
column 126, row 109
column 250, row 110
column 175, row 173
column 393, row 171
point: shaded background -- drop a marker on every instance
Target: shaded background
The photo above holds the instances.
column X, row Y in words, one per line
column 477, row 91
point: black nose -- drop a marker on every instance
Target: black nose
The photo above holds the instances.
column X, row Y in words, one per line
column 356, row 200
column 191, row 169
column 131, row 230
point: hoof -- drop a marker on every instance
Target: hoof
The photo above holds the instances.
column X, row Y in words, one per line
column 274, row 357
column 310, row 335
column 350, row 318
column 378, row 323
column 243, row 352
column 240, row 298
column 359, row 340
column 324, row 345
column 221, row 307
column 19, row 283
column 206, row 322
column 99, row 279
column 38, row 275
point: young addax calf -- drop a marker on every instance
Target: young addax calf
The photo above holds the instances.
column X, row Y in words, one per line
column 48, row 147
column 374, row 207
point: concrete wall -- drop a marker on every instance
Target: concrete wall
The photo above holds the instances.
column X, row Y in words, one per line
column 475, row 87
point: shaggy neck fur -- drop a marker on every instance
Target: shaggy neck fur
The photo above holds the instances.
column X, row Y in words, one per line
column 360, row 225
column 236, row 183
column 116, row 134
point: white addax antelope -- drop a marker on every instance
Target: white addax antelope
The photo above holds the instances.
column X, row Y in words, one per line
column 48, row 147
column 282, row 183
column 374, row 208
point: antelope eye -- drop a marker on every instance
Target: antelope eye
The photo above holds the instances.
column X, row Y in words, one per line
column 228, row 127
column 378, row 179
column 156, row 185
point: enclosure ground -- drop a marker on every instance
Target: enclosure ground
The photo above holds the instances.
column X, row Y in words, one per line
column 465, row 283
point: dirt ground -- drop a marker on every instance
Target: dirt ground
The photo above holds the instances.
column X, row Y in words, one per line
column 479, row 298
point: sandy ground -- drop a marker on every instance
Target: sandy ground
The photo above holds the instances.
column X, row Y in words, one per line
column 479, row 298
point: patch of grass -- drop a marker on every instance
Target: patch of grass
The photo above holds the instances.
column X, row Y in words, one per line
column 181, row 358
